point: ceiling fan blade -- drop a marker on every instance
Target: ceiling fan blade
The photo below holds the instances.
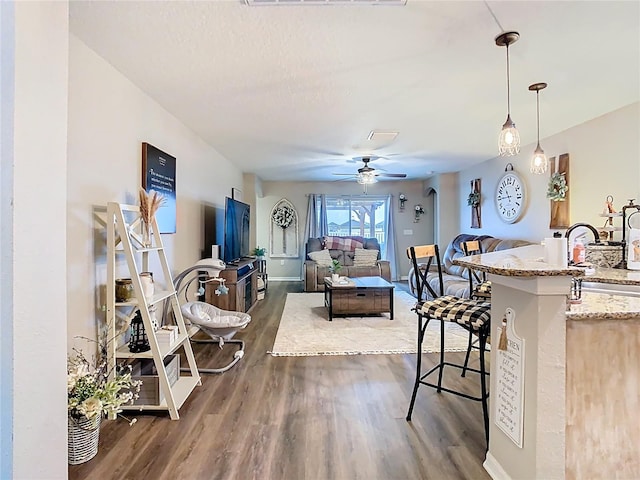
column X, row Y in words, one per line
column 392, row 175
column 344, row 179
column 347, row 174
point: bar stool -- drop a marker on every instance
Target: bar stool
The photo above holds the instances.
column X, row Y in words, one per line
column 479, row 289
column 479, row 286
column 474, row 315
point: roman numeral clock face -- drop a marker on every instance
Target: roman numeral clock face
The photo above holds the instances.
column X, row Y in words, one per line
column 510, row 197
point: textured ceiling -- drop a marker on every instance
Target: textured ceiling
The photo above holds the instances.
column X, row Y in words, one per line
column 292, row 92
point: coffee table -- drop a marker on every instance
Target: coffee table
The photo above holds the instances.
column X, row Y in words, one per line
column 363, row 295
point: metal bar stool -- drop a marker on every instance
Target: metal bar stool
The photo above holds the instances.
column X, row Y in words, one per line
column 479, row 289
column 474, row 315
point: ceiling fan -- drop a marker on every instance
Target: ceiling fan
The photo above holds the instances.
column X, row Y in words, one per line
column 366, row 175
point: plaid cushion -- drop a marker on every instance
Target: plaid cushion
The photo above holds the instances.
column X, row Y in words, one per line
column 470, row 313
column 484, row 287
column 348, row 244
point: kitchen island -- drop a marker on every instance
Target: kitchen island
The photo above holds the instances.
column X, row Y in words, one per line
column 565, row 396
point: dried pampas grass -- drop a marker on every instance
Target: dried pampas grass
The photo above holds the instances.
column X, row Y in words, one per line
column 149, row 205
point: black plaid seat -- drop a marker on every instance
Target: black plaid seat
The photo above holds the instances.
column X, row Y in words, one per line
column 473, row 314
column 484, row 288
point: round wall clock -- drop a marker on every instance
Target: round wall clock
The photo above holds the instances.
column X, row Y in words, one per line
column 510, row 196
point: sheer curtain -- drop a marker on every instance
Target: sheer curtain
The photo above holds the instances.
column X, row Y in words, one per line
column 390, row 235
column 316, row 224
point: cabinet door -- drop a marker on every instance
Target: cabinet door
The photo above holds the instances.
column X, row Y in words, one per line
column 239, row 296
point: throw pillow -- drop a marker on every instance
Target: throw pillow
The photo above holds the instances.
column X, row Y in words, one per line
column 365, row 257
column 321, row 257
column 348, row 244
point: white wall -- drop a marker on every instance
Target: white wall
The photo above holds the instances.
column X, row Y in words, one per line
column 109, row 118
column 7, row 60
column 604, row 160
column 296, row 193
column 445, row 190
column 39, row 226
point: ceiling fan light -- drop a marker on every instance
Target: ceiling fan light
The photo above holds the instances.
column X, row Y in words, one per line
column 366, row 178
column 509, row 139
column 538, row 161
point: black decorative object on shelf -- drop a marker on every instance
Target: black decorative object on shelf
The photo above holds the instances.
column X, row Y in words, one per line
column 138, row 342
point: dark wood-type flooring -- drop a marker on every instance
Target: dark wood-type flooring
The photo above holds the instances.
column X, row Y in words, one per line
column 326, row 417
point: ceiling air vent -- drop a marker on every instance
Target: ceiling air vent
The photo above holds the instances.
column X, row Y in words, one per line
column 381, row 136
column 255, row 3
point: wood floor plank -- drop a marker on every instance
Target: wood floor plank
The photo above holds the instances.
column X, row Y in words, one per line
column 299, row 418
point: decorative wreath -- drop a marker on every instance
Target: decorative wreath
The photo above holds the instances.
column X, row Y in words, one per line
column 557, row 188
column 473, row 200
column 283, row 216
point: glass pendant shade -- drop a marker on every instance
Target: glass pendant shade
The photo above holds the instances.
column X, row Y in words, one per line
column 539, row 161
column 509, row 140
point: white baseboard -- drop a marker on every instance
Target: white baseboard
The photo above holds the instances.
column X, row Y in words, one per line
column 404, row 278
column 285, row 279
column 494, row 469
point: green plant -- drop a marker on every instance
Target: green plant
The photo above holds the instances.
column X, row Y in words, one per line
column 335, row 266
column 557, row 187
column 259, row 251
column 473, row 200
column 93, row 388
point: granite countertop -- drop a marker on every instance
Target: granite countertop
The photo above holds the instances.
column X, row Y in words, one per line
column 528, row 261
column 614, row 275
column 601, row 306
column 524, row 261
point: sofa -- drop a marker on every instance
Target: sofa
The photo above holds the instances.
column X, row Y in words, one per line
column 344, row 250
column 454, row 277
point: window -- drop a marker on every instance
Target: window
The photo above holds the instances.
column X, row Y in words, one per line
column 358, row 215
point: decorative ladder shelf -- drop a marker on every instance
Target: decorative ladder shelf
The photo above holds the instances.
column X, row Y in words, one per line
column 128, row 238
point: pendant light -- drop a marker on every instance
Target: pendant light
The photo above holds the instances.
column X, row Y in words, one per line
column 509, row 140
column 539, row 159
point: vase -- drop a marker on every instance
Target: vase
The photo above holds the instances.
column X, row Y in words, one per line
column 335, row 277
column 146, row 279
column 83, row 434
column 146, row 235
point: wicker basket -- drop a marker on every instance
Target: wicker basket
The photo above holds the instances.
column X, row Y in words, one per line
column 83, row 438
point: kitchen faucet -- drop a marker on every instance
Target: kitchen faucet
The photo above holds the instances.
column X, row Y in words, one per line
column 596, row 235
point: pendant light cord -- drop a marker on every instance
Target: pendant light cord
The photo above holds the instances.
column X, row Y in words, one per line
column 538, row 113
column 508, row 85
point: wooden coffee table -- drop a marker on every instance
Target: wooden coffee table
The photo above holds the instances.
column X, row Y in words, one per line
column 362, row 296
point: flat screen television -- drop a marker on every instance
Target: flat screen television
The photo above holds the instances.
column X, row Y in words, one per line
column 236, row 230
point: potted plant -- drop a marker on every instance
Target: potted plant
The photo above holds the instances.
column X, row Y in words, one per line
column 260, row 252
column 335, row 269
column 93, row 391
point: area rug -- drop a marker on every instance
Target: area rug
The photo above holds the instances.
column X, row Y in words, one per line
column 306, row 331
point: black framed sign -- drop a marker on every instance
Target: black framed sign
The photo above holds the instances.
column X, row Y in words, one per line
column 159, row 175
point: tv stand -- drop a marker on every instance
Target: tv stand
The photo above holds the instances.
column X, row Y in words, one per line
column 242, row 281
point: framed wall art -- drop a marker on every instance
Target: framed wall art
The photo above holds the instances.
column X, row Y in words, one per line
column 159, row 175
